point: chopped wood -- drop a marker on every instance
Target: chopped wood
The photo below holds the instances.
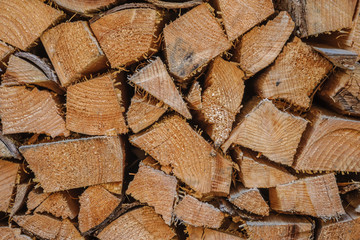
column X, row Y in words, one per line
column 96, row 107
column 68, row 231
column 354, row 42
column 8, row 179
column 353, row 198
column 197, row 233
column 5, row 51
column 84, row 6
column 192, row 40
column 260, row 46
column 8, row 233
column 76, row 163
column 197, row 213
column 141, row 223
column 155, row 79
column 128, row 33
column 21, row 192
column 315, row 196
column 155, row 188
column 237, row 215
column 114, row 187
column 194, row 96
column 23, row 22
column 331, row 143
column 35, row 198
column 8, row 148
column 175, row 4
column 345, row 187
column 73, row 51
column 173, row 142
column 294, row 75
column 241, row 16
column 41, row 108
column 266, row 129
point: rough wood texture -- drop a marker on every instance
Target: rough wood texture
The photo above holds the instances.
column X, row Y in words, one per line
column 266, row 129
column 5, row 51
column 193, row 40
column 353, row 198
column 330, row 143
column 68, row 231
column 142, row 223
column 76, row 163
column 34, row 199
column 73, row 51
column 128, row 33
column 21, row 192
column 241, row 15
column 22, row 22
column 194, row 96
column 315, row 196
column 8, row 177
column 197, row 233
column 84, row 6
column 8, row 233
column 60, row 204
column 8, row 148
column 294, row 75
column 113, row 187
column 260, row 46
column 155, row 188
column 155, row 80
column 173, row 142
column 175, row 4
column 96, row 107
column 40, row 107
column 197, row 213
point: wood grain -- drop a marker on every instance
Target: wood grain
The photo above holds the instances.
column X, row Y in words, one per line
column 59, row 204
column 175, row 4
column 34, row 199
column 193, row 97
column 207, row 233
column 9, row 233
column 84, row 6
column 8, row 177
column 5, row 51
column 68, row 231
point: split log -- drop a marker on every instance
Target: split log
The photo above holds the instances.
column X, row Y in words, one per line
column 8, row 180
column 128, row 33
column 113, row 187
column 194, row 96
column 241, row 16
column 97, row 106
column 21, row 192
column 197, row 233
column 330, row 143
column 23, row 22
column 353, row 198
column 73, row 51
column 84, row 6
column 294, row 75
column 175, row 4
column 197, row 213
column 76, row 163
column 173, row 142
column 155, row 80
column 315, row 196
column 266, row 129
column 8, row 148
column 345, row 187
column 8, row 233
column 187, row 53
column 60, row 204
column 260, row 46
column 68, row 231
column 141, row 223
column 35, row 198
column 5, row 51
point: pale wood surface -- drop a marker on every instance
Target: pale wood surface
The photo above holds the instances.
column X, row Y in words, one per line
column 8, row 147
column 198, row 233
column 84, row 6
column 113, row 187
column 175, row 4
column 59, row 204
column 68, row 231
column 34, row 199
column 22, row 191
column 8, row 233
column 193, row 97
column 5, row 50
column 8, row 177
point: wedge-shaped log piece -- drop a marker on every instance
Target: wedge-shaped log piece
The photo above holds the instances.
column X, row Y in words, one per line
column 155, row 188
column 76, row 163
column 187, row 52
column 175, row 4
column 68, row 231
column 194, row 96
column 73, row 51
column 8, row 177
column 141, row 223
column 294, row 75
column 21, row 192
column 35, row 198
column 353, row 198
column 259, row 47
column 84, row 6
column 155, row 79
column 8, row 233
column 266, row 129
column 331, row 143
column 41, row 109
column 8, row 148
column 315, row 196
column 23, row 22
column 60, row 204
column 199, row 214
column 96, row 107
column 5, row 51
column 173, row 142
column 197, row 233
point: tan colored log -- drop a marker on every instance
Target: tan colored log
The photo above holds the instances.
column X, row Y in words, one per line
column 23, row 22
column 173, row 142
column 197, row 213
column 194, row 96
column 73, row 51
column 198, row 233
column 96, row 107
column 8, row 179
column 175, row 4
column 34, row 199
column 59, row 204
column 8, row 148
column 186, row 53
column 76, row 163
column 294, row 75
column 21, row 192
column 128, row 33
column 141, row 223
column 155, row 80
column 8, row 233
column 114, row 187
column 68, row 231
column 5, row 51
column 260, row 46
column 354, row 43
column 353, row 198
column 330, row 143
column 266, row 129
column 84, row 6
column 315, row 196
column 40, row 107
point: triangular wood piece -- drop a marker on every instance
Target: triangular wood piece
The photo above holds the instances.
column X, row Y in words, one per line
column 84, row 7
column 8, row 147
column 194, row 96
column 197, row 233
column 175, row 4
column 8, row 233
column 5, row 51
column 68, row 231
column 8, row 178
column 35, row 198
column 21, row 192
column 113, row 187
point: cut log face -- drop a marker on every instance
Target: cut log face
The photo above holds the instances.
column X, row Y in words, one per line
column 8, row 177
column 315, row 196
column 128, row 33
column 5, row 51
column 76, row 163
column 141, row 223
column 94, row 107
column 294, row 75
column 353, row 198
column 155, row 80
column 259, row 47
column 21, row 193
column 173, row 142
column 24, row 21
column 8, row 233
column 34, row 199
column 266, row 129
column 197, row 213
column 114, row 187
column 59, row 204
column 194, row 96
column 185, row 52
column 68, row 232
column 84, row 6
column 73, row 51
column 155, row 188
column 331, row 143
column 197, row 233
